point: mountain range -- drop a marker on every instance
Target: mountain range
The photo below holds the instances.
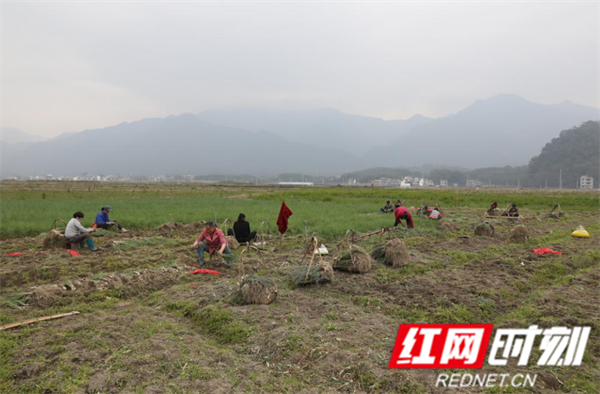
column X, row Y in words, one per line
column 502, row 130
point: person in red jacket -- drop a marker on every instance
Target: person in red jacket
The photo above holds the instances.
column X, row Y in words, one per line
column 213, row 241
column 403, row 213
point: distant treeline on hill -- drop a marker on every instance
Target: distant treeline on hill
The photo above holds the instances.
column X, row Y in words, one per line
column 574, row 153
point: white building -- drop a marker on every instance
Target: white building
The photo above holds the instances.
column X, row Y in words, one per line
column 443, row 182
column 296, row 183
column 586, row 182
column 473, row 183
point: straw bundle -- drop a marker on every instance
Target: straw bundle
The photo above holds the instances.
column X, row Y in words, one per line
column 355, row 260
column 256, row 289
column 484, row 230
column 396, row 254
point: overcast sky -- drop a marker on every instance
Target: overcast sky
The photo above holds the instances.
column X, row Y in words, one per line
column 72, row 66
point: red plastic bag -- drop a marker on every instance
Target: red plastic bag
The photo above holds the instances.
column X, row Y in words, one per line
column 73, row 253
column 15, row 254
column 545, row 251
column 203, row 271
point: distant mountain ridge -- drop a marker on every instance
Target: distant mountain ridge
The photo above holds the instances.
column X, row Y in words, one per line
column 11, row 135
column 323, row 127
column 174, row 145
column 503, row 130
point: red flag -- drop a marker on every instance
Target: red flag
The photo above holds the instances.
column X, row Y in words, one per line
column 282, row 219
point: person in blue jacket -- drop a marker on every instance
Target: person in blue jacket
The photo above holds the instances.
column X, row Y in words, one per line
column 103, row 221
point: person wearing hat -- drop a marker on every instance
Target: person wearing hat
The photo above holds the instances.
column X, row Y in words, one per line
column 103, row 221
column 241, row 230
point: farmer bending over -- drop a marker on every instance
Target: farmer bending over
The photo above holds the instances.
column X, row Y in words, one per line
column 241, row 230
column 436, row 214
column 213, row 241
column 76, row 233
column 403, row 213
column 103, row 221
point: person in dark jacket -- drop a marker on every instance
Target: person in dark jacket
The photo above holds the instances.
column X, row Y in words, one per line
column 241, row 230
column 513, row 211
column 388, row 208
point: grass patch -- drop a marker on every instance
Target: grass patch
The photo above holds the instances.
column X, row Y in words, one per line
column 215, row 321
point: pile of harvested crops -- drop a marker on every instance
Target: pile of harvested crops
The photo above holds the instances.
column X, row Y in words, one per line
column 354, row 260
column 170, row 228
column 378, row 253
column 484, row 230
column 255, row 289
column 306, row 275
column 519, row 234
column 195, row 227
column 55, row 240
column 396, row 254
column 232, row 242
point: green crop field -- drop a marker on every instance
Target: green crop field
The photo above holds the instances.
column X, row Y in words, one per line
column 29, row 209
column 147, row 325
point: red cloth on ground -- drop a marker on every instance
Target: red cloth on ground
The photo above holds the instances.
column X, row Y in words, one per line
column 73, row 253
column 203, row 271
column 282, row 219
column 545, row 251
column 15, row 254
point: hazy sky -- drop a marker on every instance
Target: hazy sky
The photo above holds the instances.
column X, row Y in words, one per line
column 70, row 66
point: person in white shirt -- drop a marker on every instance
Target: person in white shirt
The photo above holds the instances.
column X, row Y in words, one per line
column 76, row 233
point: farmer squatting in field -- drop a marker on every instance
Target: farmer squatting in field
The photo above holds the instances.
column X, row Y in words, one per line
column 213, row 241
column 76, row 233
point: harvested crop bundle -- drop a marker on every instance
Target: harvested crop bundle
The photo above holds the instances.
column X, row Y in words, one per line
column 255, row 289
column 396, row 254
column 316, row 274
column 55, row 240
column 354, row 260
column 519, row 234
column 232, row 242
column 484, row 230
column 378, row 253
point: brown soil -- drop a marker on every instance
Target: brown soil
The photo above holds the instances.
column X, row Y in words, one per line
column 137, row 331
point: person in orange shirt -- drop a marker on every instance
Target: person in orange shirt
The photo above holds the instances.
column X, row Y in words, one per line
column 213, row 241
